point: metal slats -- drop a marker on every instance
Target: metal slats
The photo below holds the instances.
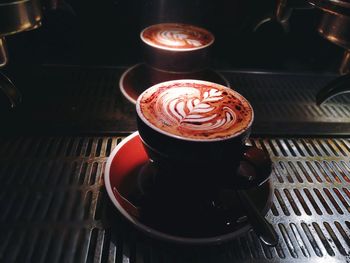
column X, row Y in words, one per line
column 51, row 197
column 311, row 208
column 54, row 207
column 277, row 98
column 87, row 100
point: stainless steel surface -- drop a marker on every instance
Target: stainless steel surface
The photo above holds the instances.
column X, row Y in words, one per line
column 333, row 89
column 9, row 89
column 18, row 16
column 345, row 63
column 3, row 52
column 281, row 14
column 54, row 207
column 338, row 86
column 334, row 6
column 286, row 104
column 335, row 28
column 88, row 100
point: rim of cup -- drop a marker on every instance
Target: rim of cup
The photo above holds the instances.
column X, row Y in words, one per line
column 152, row 126
column 149, row 43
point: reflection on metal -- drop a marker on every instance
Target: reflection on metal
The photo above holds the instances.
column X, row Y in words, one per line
column 54, row 205
column 12, row 93
column 18, row 16
column 345, row 64
column 15, row 16
column 335, row 28
column 282, row 13
column 6, row 85
column 3, row 52
column 341, row 7
column 334, row 88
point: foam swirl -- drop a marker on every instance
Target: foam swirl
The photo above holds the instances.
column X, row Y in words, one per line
column 189, row 109
column 196, row 111
column 177, row 36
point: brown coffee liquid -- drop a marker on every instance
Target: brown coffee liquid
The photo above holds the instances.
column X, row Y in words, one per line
column 195, row 109
column 177, row 36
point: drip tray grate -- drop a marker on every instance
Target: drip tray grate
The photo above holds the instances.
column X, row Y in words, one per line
column 87, row 100
column 54, row 207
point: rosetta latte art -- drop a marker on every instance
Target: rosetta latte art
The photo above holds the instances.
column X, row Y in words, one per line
column 195, row 111
column 178, row 38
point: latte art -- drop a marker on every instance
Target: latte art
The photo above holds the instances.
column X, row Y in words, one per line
column 176, row 36
column 196, row 110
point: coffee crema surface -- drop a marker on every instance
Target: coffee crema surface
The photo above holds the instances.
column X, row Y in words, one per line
column 178, row 37
column 197, row 110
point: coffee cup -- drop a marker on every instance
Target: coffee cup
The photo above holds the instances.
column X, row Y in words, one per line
column 195, row 133
column 176, row 47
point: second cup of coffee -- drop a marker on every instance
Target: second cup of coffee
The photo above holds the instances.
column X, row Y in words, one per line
column 176, row 47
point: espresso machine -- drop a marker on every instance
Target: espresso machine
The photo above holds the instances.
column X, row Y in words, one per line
column 15, row 17
column 334, row 26
column 68, row 116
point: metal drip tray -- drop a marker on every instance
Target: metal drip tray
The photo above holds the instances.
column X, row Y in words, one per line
column 54, row 207
column 87, row 100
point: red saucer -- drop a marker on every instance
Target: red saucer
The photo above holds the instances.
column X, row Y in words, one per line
column 123, row 169
column 140, row 77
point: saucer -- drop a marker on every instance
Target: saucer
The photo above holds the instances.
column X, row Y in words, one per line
column 140, row 77
column 124, row 173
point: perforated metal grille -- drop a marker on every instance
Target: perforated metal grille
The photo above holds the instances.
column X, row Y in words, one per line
column 67, row 99
column 285, row 103
column 52, row 198
column 54, row 207
column 311, row 207
column 276, row 96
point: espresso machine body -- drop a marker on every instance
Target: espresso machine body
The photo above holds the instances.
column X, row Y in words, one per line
column 63, row 113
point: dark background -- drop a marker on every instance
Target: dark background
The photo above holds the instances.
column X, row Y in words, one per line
column 106, row 32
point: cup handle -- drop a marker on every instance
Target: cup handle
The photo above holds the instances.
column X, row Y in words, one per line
column 255, row 167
